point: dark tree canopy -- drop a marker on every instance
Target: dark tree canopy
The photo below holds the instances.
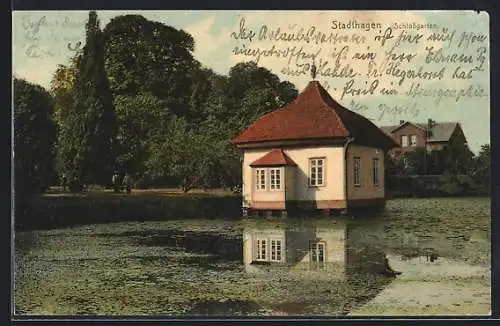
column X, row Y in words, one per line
column 89, row 136
column 34, row 138
column 147, row 56
column 136, row 100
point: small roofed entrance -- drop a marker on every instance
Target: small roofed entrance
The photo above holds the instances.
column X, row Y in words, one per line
column 272, row 181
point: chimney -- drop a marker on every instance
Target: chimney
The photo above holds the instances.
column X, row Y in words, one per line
column 401, row 122
column 430, row 124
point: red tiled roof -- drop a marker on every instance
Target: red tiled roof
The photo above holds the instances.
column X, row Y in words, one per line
column 314, row 114
column 276, row 157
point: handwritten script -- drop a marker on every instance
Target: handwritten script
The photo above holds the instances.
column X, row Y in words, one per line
column 39, row 33
column 411, row 62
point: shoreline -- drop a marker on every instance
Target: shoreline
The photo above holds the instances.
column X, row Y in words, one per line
column 432, row 289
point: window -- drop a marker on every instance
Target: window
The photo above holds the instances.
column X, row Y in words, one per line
column 406, row 162
column 260, row 179
column 413, row 141
column 376, row 171
column 357, row 171
column 261, row 249
column 270, row 250
column 275, row 176
column 317, row 172
column 275, row 250
column 404, row 141
column 317, row 250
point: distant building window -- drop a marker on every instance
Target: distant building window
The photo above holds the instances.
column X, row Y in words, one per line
column 413, row 141
column 357, row 171
column 275, row 250
column 260, row 179
column 275, row 179
column 376, row 171
column 404, row 141
column 261, row 250
column 317, row 250
column 406, row 162
column 317, row 172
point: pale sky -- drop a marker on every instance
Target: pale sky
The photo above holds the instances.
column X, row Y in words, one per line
column 40, row 42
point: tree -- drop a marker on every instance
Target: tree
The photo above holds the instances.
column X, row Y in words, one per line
column 203, row 84
column 457, row 158
column 62, row 89
column 182, row 153
column 245, row 95
column 481, row 168
column 88, row 137
column 146, row 56
column 34, row 138
column 138, row 118
column 417, row 161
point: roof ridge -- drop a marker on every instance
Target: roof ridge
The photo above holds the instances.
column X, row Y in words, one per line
column 320, row 89
column 275, row 157
column 314, row 114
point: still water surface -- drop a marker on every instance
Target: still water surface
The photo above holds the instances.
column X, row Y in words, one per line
column 421, row 256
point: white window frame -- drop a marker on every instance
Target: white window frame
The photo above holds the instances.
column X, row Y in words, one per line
column 404, row 141
column 261, row 246
column 269, row 249
column 259, row 185
column 314, row 249
column 275, row 179
column 357, row 171
column 413, row 140
column 376, row 171
column 276, row 250
column 315, row 164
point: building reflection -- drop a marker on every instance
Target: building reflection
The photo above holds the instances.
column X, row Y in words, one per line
column 314, row 250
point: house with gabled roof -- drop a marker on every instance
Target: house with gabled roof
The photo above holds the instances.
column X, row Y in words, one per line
column 312, row 153
column 433, row 136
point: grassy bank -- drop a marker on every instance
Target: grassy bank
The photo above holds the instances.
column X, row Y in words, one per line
column 54, row 210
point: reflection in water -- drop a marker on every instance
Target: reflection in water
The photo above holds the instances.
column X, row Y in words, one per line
column 314, row 252
column 330, row 249
column 321, row 267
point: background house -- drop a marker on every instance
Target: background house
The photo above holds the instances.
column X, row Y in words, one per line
column 438, row 139
column 313, row 153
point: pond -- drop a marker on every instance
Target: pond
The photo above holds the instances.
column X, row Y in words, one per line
column 418, row 257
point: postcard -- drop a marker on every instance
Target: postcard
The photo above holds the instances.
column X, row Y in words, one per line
column 245, row 164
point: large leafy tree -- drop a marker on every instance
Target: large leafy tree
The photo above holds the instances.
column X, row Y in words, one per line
column 146, row 56
column 184, row 154
column 245, row 95
column 88, row 138
column 62, row 89
column 203, row 84
column 138, row 118
column 34, row 138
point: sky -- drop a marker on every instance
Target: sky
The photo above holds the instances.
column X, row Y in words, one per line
column 442, row 55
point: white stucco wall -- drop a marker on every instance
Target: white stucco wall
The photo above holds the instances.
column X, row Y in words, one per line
column 334, row 240
column 367, row 189
column 334, row 173
column 289, row 183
